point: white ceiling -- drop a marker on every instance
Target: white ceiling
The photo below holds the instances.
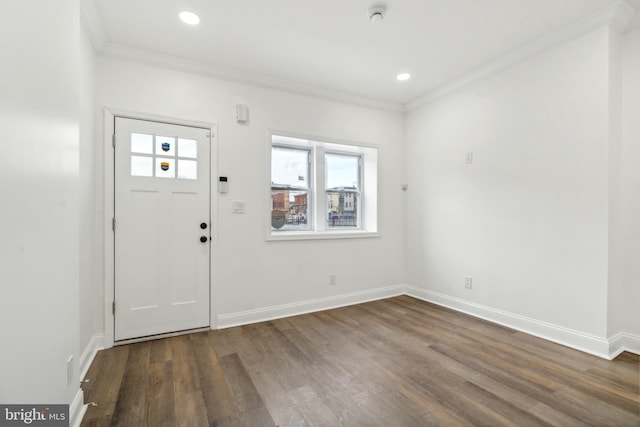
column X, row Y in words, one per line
column 331, row 44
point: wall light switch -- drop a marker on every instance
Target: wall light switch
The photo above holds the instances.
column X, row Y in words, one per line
column 239, row 206
column 468, row 158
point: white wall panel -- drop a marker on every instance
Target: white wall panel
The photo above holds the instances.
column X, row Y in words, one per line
column 91, row 206
column 39, row 312
column 627, row 297
column 528, row 219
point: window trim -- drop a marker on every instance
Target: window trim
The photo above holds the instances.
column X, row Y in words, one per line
column 369, row 212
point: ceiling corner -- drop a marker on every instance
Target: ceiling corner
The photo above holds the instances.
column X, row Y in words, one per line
column 634, row 4
column 623, row 14
column 92, row 24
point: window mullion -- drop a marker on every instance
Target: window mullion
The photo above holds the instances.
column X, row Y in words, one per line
column 320, row 196
column 311, row 191
column 360, row 207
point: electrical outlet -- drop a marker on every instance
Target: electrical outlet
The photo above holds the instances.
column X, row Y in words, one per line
column 468, row 282
column 332, row 280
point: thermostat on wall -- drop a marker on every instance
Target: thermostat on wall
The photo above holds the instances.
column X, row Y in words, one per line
column 223, row 184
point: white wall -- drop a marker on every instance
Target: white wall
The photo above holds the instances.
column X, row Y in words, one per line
column 528, row 220
column 626, row 319
column 39, row 193
column 91, row 206
column 251, row 273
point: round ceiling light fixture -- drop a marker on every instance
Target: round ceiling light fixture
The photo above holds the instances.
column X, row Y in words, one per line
column 376, row 14
column 403, row 77
column 189, row 18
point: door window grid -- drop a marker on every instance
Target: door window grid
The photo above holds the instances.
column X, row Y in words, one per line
column 159, row 156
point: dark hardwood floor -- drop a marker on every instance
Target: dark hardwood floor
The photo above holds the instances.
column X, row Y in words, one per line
column 395, row 362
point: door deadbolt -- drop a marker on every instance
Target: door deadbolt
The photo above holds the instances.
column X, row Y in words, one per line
column 203, row 225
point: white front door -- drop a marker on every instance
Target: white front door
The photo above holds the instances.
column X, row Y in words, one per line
column 162, row 228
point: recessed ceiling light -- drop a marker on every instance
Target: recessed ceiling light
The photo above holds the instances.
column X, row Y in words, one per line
column 404, row 76
column 189, row 18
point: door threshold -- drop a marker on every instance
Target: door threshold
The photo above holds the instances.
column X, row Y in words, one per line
column 160, row 336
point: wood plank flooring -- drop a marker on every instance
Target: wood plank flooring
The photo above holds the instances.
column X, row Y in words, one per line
column 394, row 362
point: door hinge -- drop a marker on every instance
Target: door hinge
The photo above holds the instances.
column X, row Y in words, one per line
column 113, row 224
column 113, row 140
column 113, row 307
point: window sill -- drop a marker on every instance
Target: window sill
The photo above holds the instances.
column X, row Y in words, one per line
column 321, row 235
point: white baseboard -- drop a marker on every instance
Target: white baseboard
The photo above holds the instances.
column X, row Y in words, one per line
column 77, row 409
column 96, row 343
column 558, row 334
column 623, row 342
column 309, row 306
column 601, row 347
column 616, row 345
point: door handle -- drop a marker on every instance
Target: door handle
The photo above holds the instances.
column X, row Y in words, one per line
column 203, row 239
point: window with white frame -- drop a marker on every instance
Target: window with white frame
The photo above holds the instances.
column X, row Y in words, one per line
column 321, row 188
column 342, row 189
column 290, row 188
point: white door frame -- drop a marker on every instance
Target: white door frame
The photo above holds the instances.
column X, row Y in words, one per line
column 109, row 197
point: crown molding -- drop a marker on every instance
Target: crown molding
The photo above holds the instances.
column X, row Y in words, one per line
column 622, row 15
column 90, row 19
column 634, row 4
column 617, row 16
column 143, row 56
